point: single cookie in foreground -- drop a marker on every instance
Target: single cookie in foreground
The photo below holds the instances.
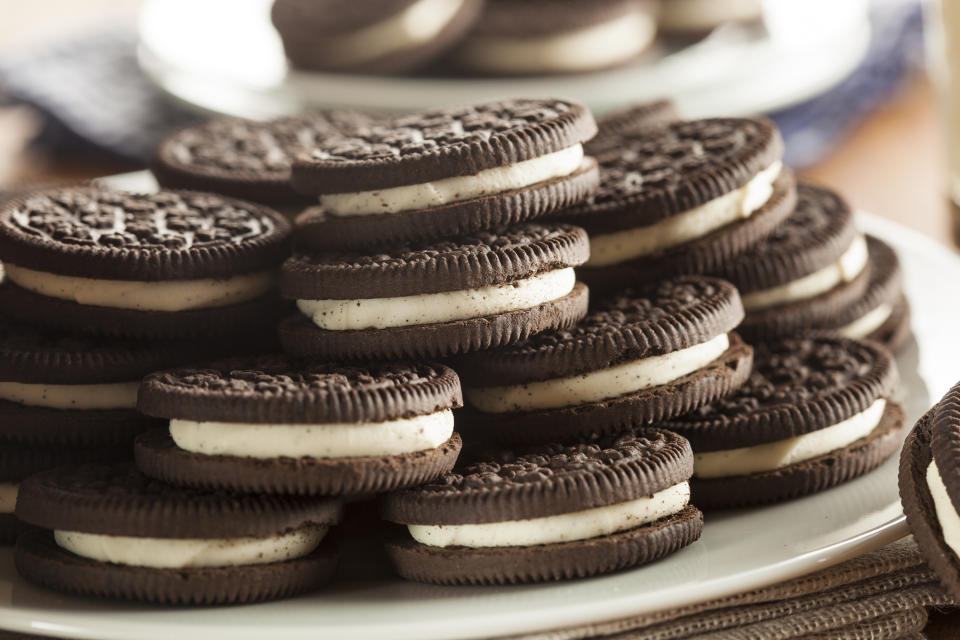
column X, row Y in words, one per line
column 686, row 197
column 431, row 301
column 638, row 358
column 247, row 159
column 883, row 313
column 554, row 513
column 815, row 413
column 811, row 268
column 533, row 37
column 275, row 425
column 110, row 532
column 930, row 491
column 385, row 36
column 612, row 127
column 445, row 172
column 164, row 265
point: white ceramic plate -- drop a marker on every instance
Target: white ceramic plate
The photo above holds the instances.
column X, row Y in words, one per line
column 223, row 56
column 738, row 551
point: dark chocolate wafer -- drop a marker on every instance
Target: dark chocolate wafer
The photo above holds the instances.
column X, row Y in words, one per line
column 612, row 127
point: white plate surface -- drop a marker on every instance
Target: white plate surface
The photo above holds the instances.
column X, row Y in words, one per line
column 236, row 66
column 738, row 551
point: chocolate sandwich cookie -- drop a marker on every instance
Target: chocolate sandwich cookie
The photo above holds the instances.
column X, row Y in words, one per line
column 682, row 198
column 882, row 314
column 554, row 513
column 530, row 37
column 614, row 126
column 274, row 425
column 695, row 17
column 929, row 488
column 640, row 357
column 810, row 268
column 110, row 532
column 247, row 159
column 815, row 412
column 173, row 264
column 475, row 292
column 386, row 36
column 445, row 172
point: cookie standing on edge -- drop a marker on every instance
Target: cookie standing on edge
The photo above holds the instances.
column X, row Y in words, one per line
column 445, row 172
column 113, row 533
column 815, row 412
column 811, row 267
column 929, row 489
column 451, row 297
column 385, row 36
column 163, row 265
column 883, row 313
column 247, row 159
column 554, row 513
column 685, row 197
column 637, row 358
column 275, row 425
column 529, row 37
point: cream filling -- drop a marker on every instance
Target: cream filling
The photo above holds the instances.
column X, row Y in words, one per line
column 419, row 23
column 599, row 385
column 8, row 496
column 181, row 553
column 701, row 15
column 115, row 395
column 593, row 47
column 946, row 514
column 457, row 189
column 846, row 269
column 774, row 455
column 566, row 527
column 334, row 440
column 867, row 323
column 620, row 246
column 447, row 306
column 166, row 295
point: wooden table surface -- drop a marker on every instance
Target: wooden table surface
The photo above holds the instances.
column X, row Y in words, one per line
column 891, row 164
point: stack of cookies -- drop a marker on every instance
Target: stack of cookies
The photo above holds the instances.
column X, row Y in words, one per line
column 621, row 302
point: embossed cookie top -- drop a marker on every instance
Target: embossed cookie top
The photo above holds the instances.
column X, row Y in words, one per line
column 666, row 170
column 98, row 233
column 246, row 158
column 797, row 386
column 119, row 500
column 814, row 236
column 548, row 480
column 442, row 143
column 33, row 356
column 278, row 389
column 469, row 262
column 656, row 319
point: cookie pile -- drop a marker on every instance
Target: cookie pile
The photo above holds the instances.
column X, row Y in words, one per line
column 489, row 37
column 629, row 310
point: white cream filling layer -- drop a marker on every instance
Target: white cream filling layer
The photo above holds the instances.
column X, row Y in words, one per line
column 419, row 23
column 620, row 246
column 115, row 395
column 566, row 527
column 429, row 308
column 8, row 496
column 592, row 47
column 846, row 269
column 457, row 189
column 947, row 516
column 314, row 440
column 167, row 295
column 701, row 15
column 867, row 323
column 774, row 455
column 180, row 553
column 599, row 385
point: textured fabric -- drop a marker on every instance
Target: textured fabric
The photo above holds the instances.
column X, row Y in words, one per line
column 878, row 596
